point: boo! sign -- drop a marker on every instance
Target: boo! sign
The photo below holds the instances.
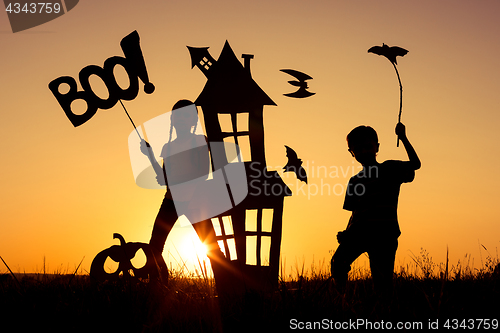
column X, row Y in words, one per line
column 135, row 67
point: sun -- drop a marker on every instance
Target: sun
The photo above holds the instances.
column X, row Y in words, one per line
column 191, row 248
column 184, row 251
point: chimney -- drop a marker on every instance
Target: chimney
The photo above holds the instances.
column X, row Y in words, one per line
column 246, row 63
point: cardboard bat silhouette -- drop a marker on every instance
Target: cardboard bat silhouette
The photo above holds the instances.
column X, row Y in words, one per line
column 295, row 164
column 301, row 83
column 390, row 52
column 134, row 65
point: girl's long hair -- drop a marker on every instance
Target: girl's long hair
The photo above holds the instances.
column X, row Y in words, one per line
column 194, row 159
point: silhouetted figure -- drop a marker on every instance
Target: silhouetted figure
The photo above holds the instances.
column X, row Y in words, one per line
column 184, row 159
column 372, row 197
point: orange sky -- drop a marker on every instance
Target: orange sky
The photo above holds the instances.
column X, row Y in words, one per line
column 66, row 190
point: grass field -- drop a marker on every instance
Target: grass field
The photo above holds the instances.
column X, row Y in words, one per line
column 423, row 293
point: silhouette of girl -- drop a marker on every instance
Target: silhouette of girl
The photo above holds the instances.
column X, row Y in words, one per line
column 185, row 158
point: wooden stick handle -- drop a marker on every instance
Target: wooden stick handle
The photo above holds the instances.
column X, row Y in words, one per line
column 130, row 119
column 400, row 98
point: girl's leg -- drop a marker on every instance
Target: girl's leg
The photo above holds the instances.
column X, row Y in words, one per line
column 165, row 220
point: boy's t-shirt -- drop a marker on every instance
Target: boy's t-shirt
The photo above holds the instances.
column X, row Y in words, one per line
column 372, row 196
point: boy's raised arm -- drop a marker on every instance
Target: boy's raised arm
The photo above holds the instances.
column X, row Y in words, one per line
column 412, row 155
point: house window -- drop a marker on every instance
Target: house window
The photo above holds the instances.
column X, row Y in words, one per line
column 251, row 250
column 244, row 147
column 224, row 233
column 258, row 227
column 265, row 250
column 251, row 220
column 231, row 150
column 225, row 122
column 242, row 122
column 234, row 128
column 205, row 63
column 231, row 247
column 258, row 250
column 267, row 220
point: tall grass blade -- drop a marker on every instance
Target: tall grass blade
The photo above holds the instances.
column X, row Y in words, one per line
column 15, row 278
column 76, row 270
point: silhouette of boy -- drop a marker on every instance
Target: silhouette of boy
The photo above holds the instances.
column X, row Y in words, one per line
column 372, row 197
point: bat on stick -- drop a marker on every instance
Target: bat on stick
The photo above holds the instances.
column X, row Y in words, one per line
column 391, row 52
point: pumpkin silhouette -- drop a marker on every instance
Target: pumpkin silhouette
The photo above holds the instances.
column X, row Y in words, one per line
column 123, row 254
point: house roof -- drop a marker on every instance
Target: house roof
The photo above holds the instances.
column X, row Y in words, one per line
column 230, row 86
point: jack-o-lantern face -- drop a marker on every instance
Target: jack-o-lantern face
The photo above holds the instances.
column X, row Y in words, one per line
column 123, row 254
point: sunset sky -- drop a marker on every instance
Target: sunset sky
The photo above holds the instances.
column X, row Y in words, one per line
column 66, row 190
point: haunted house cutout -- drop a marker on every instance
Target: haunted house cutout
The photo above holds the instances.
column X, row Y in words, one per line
column 249, row 234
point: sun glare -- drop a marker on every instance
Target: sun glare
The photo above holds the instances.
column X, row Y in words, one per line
column 191, row 248
column 184, row 251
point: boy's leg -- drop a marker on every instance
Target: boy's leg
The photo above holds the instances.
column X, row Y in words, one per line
column 382, row 256
column 344, row 256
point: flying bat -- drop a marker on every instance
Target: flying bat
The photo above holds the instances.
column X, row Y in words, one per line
column 301, row 83
column 295, row 164
column 390, row 52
